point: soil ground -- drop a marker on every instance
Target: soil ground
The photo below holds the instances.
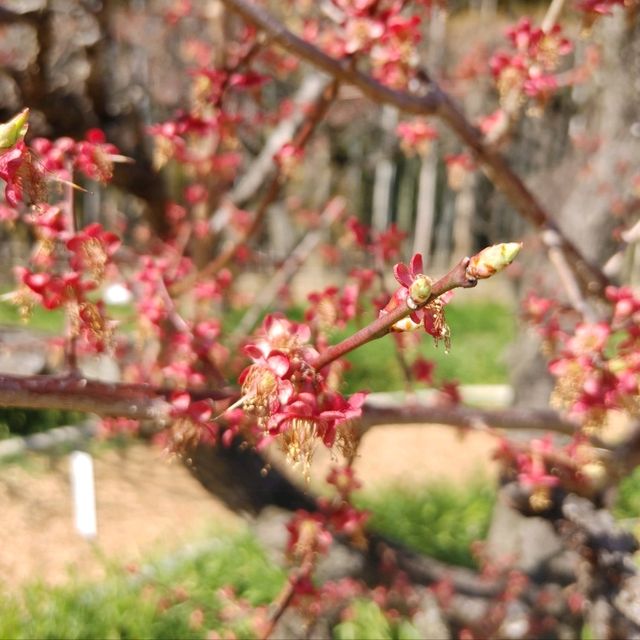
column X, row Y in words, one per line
column 148, row 505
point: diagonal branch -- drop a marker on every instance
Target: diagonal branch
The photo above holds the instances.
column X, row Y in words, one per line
column 434, row 102
column 342, row 70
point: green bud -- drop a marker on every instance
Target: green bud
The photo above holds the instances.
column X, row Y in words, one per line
column 493, row 259
column 420, row 289
column 14, row 130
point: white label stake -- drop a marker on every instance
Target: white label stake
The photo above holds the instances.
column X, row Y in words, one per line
column 84, row 495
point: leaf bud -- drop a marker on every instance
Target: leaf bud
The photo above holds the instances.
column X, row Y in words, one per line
column 14, row 130
column 493, row 259
column 420, row 289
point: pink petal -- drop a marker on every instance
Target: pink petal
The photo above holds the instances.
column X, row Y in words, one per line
column 253, row 352
column 285, row 391
column 181, row 401
column 401, row 272
column 416, row 264
column 278, row 363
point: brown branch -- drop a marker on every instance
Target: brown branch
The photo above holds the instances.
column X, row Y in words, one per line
column 285, row 597
column 342, row 70
column 403, row 412
column 592, row 280
column 456, row 278
column 108, row 399
column 434, row 102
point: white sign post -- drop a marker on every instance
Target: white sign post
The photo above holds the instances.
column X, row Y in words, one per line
column 84, row 495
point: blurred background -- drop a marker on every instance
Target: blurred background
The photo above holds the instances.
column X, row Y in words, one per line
column 166, row 542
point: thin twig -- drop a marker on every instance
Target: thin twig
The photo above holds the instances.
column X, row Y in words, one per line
column 567, row 277
column 456, row 278
column 552, row 15
column 285, row 597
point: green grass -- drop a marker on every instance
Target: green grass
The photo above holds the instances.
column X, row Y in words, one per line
column 481, row 332
column 627, row 505
column 439, row 520
column 24, row 422
column 161, row 606
column 40, row 319
column 368, row 621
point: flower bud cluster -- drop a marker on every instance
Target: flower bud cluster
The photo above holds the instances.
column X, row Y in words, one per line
column 385, row 34
column 528, row 68
column 289, row 399
column 414, row 292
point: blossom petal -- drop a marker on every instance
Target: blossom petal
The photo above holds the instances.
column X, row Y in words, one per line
column 278, row 363
column 401, row 272
column 416, row 266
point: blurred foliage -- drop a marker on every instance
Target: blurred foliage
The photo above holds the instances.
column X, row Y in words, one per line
column 177, row 602
column 24, row 422
column 437, row 519
column 628, row 499
column 367, row 621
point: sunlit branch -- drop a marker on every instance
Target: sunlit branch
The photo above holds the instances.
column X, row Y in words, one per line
column 73, row 393
column 404, row 412
column 434, row 102
column 456, row 278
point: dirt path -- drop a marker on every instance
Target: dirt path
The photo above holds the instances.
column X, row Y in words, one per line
column 145, row 504
column 149, row 505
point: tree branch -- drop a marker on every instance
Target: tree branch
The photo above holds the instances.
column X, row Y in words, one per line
column 342, row 70
column 108, row 399
column 403, row 412
column 456, row 278
column 434, row 102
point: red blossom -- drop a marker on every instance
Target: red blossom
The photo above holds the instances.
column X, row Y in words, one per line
column 416, row 136
column 21, row 174
column 92, row 248
column 422, row 369
column 389, row 243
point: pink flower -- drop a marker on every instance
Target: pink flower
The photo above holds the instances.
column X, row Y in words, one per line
column 92, row 249
column 422, row 369
column 416, row 136
column 589, row 338
column 13, row 164
column 389, row 243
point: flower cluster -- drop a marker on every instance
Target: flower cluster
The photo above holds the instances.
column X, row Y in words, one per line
column 382, row 31
column 92, row 156
column 415, row 290
column 528, row 68
column 332, row 308
column 596, row 364
column 289, row 399
column 416, row 136
column 313, row 533
column 51, row 283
